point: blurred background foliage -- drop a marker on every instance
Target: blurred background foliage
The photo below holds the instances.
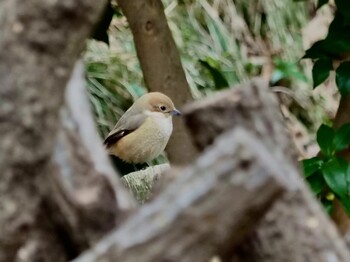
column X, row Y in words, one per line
column 222, row 43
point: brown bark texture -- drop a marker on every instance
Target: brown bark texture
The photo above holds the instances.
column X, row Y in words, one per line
column 161, row 66
column 296, row 227
column 206, row 210
column 45, row 169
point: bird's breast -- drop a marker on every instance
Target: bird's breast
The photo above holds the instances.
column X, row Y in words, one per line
column 146, row 142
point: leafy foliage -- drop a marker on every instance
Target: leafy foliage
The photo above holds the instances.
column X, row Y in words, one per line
column 343, row 78
column 287, row 70
column 219, row 79
column 221, row 42
column 216, row 51
column 321, row 70
column 344, row 8
column 335, row 172
column 330, row 173
column 336, row 46
column 325, row 136
column 312, row 165
column 109, row 93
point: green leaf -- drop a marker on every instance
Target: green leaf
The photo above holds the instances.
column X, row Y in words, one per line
column 315, row 51
column 328, row 205
column 336, row 47
column 342, row 138
column 337, row 42
column 219, row 79
column 335, row 173
column 338, row 27
column 321, row 3
column 342, row 78
column 311, row 165
column 217, row 31
column 343, row 6
column 287, row 69
column 316, row 183
column 321, row 70
column 346, row 204
column 324, row 137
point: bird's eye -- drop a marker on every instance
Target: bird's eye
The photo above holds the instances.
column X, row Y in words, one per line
column 163, row 108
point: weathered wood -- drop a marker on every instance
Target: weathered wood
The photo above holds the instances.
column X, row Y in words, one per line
column 296, row 228
column 77, row 117
column 50, row 190
column 161, row 66
column 206, row 210
column 141, row 183
column 76, row 189
column 249, row 105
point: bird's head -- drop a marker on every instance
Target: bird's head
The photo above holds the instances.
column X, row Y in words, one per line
column 156, row 102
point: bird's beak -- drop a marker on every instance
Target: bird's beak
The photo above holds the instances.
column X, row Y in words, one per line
column 175, row 112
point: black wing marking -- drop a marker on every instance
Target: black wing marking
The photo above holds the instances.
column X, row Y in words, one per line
column 115, row 137
column 125, row 126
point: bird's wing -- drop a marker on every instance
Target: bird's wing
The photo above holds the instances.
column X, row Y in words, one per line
column 124, row 126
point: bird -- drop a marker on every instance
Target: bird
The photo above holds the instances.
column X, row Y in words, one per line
column 143, row 131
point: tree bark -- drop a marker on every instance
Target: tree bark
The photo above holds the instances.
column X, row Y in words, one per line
column 40, row 220
column 206, row 210
column 296, row 227
column 161, row 66
column 141, row 183
column 77, row 189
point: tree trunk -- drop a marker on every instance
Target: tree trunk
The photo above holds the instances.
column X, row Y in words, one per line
column 161, row 66
column 296, row 228
column 46, row 171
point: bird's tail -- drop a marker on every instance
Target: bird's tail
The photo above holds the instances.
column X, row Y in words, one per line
column 124, row 168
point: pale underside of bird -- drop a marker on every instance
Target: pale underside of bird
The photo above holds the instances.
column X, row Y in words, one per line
column 143, row 132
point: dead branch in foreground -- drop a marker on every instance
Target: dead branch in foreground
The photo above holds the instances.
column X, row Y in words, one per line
column 206, row 210
column 296, row 228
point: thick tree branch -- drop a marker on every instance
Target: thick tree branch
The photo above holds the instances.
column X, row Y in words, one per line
column 296, row 227
column 41, row 219
column 161, row 66
column 77, row 189
column 78, row 118
column 208, row 209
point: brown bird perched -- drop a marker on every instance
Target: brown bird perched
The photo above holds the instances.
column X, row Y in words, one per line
column 144, row 130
